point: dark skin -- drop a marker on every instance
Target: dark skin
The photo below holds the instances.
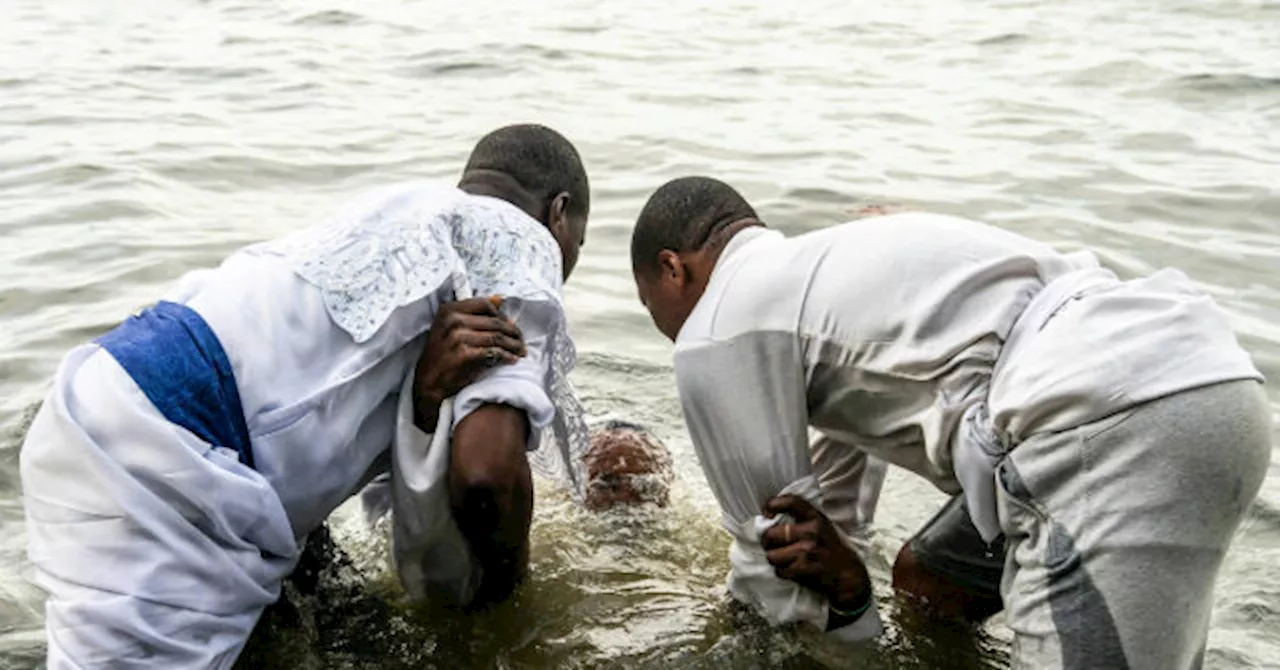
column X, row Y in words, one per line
column 816, row 558
column 936, row 596
column 458, row 350
column 491, row 490
column 672, row 290
column 490, row 486
column 810, row 553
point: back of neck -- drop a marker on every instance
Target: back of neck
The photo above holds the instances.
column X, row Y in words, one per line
column 502, row 186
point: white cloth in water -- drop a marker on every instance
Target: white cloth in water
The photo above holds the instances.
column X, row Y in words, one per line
column 431, row 555
column 883, row 334
column 156, row 546
column 752, row 579
column 754, row 446
column 157, row 549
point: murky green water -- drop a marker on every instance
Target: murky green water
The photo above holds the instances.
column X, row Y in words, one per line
column 141, row 140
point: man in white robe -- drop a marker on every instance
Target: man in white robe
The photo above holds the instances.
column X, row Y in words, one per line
column 180, row 461
column 1112, row 432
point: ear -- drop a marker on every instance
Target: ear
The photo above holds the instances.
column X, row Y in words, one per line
column 671, row 267
column 558, row 213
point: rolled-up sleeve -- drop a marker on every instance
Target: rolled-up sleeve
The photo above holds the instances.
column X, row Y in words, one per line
column 524, row 384
column 745, row 406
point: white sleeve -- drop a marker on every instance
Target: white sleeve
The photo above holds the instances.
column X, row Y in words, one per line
column 430, row 554
column 524, row 384
column 851, row 481
column 745, row 405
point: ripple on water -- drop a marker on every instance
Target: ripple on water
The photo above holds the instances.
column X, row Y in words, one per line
column 131, row 138
column 821, row 195
column 330, row 17
column 497, row 60
column 1004, row 39
column 231, row 172
column 1263, row 520
column 202, row 74
column 1226, row 83
column 46, row 171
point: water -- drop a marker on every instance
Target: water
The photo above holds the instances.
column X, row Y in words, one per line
column 141, row 140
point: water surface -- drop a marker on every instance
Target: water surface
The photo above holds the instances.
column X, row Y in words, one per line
column 141, row 140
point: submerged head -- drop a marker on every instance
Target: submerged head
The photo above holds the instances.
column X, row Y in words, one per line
column 536, row 169
column 627, row 465
column 677, row 239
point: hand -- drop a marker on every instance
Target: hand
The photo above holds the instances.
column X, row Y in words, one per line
column 467, row 337
column 810, row 553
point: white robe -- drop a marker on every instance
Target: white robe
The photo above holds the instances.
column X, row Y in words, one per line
column 926, row 341
column 161, row 550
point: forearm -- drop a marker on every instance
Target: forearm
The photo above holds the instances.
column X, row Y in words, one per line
column 491, row 492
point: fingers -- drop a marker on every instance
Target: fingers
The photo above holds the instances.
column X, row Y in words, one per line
column 794, row 506
column 780, row 558
column 799, row 562
column 455, row 322
column 494, row 339
column 774, row 537
column 803, row 570
column 784, row 534
column 478, row 359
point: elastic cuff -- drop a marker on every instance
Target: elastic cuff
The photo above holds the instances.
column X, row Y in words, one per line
column 866, row 627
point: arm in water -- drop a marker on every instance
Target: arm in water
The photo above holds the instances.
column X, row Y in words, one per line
column 491, row 493
column 490, row 487
column 466, row 338
column 496, row 420
column 744, row 402
column 810, row 552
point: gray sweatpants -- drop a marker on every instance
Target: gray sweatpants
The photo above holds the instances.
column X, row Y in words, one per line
column 1116, row 530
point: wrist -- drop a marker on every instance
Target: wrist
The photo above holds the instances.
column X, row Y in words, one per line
column 426, row 405
column 853, row 598
column 852, row 592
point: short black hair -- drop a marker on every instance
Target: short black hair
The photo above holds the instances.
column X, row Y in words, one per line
column 540, row 159
column 683, row 215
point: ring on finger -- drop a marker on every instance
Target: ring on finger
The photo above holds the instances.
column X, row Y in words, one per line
column 491, row 357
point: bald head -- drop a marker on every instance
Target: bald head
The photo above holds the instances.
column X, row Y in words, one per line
column 685, row 215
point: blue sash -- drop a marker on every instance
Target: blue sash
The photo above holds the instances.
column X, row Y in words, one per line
column 177, row 361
